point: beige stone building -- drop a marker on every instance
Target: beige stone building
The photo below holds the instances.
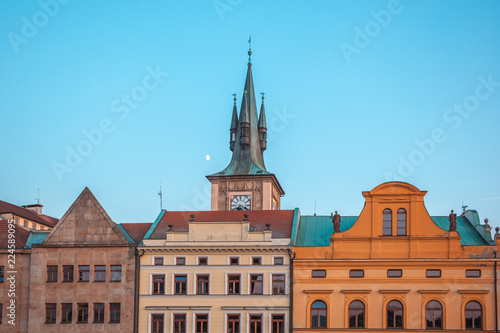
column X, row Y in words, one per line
column 28, row 216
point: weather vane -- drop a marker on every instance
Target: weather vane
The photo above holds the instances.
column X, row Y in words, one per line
column 250, row 50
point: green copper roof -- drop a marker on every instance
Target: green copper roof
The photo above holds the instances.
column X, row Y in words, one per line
column 36, row 238
column 469, row 234
column 317, row 230
column 153, row 226
column 125, row 233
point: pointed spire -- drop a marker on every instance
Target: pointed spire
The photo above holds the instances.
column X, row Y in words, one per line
column 262, row 126
column 234, row 125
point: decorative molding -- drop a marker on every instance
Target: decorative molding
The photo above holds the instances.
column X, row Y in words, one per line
column 318, row 291
column 394, row 291
column 433, row 292
column 473, row 292
column 356, row 292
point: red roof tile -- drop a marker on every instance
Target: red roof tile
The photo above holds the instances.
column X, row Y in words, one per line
column 281, row 221
column 136, row 230
column 21, row 235
column 46, row 220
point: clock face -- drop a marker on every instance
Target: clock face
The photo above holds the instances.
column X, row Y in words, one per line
column 241, row 202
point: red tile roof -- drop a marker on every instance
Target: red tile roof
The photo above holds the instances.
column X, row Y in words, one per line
column 281, row 221
column 46, row 220
column 21, row 235
column 136, row 230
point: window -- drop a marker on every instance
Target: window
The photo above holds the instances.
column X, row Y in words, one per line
column 83, row 312
column 387, row 222
column 401, row 222
column 318, row 273
column 233, row 323
column 202, row 261
column 256, row 284
column 433, row 273
column 318, row 315
column 394, row 314
column 50, row 313
column 180, row 285
column 434, row 315
column 68, row 273
column 158, row 261
column 201, row 323
column 473, row 315
column 67, row 313
column 51, row 273
column 116, row 273
column 278, row 260
column 233, row 284
column 84, row 273
column 234, row 261
column 202, row 285
column 179, row 323
column 256, row 260
column 356, row 314
column 1, row 312
column 394, row 273
column 473, row 273
column 157, row 323
column 278, row 323
column 255, row 323
column 158, row 284
column 114, row 312
column 278, row 284
column 180, row 261
column 98, row 312
column 356, row 273
column 2, row 270
column 100, row 273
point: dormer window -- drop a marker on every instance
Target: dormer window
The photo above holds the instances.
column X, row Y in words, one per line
column 387, row 222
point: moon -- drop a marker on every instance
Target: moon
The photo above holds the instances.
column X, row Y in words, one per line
column 207, row 157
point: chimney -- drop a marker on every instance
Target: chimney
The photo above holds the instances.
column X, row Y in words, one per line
column 37, row 208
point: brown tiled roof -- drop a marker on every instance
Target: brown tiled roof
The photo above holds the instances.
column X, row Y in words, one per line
column 136, row 230
column 281, row 221
column 21, row 235
column 46, row 220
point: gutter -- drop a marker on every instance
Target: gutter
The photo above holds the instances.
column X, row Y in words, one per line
column 291, row 254
column 136, row 289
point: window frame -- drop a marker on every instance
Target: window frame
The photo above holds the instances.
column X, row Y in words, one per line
column 66, row 313
column 116, row 274
column 52, row 273
column 230, row 320
column 282, row 258
column 469, row 276
column 68, row 274
column 157, row 285
column 160, row 320
column 158, row 261
column 236, row 258
column 357, row 312
column 387, row 222
column 99, row 310
column 395, row 315
column 256, row 260
column 53, row 311
column 278, row 282
column 433, row 310
column 2, row 274
column 481, row 313
column 257, row 320
column 205, row 284
column 184, row 282
column 429, row 273
column 180, row 318
column 80, row 271
column 234, row 282
column 257, row 282
column 99, row 272
column 199, row 259
column 399, row 222
column 281, row 322
column 202, row 321
column 82, row 313
column 318, row 276
column 353, row 273
column 318, row 312
column 394, row 271
column 115, row 310
column 180, row 261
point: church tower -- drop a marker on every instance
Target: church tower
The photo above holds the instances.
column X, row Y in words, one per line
column 245, row 184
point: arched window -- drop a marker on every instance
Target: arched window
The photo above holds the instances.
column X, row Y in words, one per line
column 401, row 222
column 387, row 222
column 394, row 314
column 356, row 315
column 318, row 315
column 434, row 315
column 473, row 315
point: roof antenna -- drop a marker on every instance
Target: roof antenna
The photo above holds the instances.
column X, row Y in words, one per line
column 464, row 207
column 38, row 199
column 161, row 198
column 314, row 207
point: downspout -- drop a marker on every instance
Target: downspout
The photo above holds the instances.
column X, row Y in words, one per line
column 136, row 289
column 496, row 291
column 291, row 254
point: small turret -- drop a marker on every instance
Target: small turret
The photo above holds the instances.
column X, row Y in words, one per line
column 234, row 125
column 262, row 126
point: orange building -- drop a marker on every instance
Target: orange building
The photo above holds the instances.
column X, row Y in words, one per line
column 395, row 267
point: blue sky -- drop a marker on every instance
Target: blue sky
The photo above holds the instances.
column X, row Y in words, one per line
column 357, row 93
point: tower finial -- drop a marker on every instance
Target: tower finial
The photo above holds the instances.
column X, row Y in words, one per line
column 262, row 97
column 250, row 50
column 234, row 99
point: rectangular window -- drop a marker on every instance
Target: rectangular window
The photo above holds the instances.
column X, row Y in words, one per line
column 278, row 323
column 67, row 313
column 179, row 323
column 318, row 273
column 356, row 273
column 233, row 284
column 98, row 312
column 116, row 273
column 157, row 323
column 278, row 284
column 234, row 261
column 278, row 260
column 158, row 261
column 202, row 285
column 180, row 261
column 83, row 312
column 433, row 273
column 473, row 273
column 202, row 261
column 114, row 312
column 180, row 287
column 2, row 272
column 50, row 313
column 201, row 323
column 100, row 273
column 68, row 273
column 256, row 284
column 394, row 273
column 255, row 323
column 256, row 260
column 158, row 285
column 84, row 273
column 51, row 273
column 1, row 312
column 233, row 323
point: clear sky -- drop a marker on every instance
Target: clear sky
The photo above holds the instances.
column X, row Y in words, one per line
column 122, row 95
